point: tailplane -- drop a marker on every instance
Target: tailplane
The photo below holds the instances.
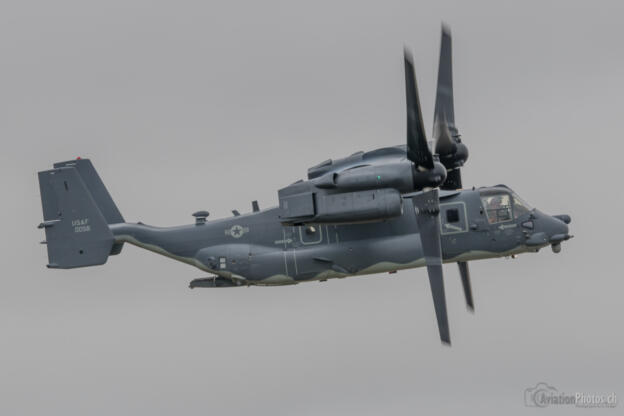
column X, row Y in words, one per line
column 77, row 210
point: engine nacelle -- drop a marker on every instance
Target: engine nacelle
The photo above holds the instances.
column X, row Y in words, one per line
column 340, row 208
column 356, row 194
column 398, row 176
column 403, row 176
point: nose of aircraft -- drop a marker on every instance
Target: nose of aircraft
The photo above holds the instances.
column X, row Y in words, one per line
column 549, row 230
column 563, row 217
column 559, row 231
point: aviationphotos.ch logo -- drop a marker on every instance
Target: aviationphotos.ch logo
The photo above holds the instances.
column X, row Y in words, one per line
column 544, row 395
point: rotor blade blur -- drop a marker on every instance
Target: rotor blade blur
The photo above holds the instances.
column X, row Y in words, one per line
column 465, row 278
column 417, row 147
column 427, row 209
column 444, row 94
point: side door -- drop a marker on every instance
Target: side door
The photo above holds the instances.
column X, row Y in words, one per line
column 307, row 240
column 454, row 227
column 289, row 248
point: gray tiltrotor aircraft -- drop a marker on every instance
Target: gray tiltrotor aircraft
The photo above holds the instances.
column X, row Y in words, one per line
column 379, row 211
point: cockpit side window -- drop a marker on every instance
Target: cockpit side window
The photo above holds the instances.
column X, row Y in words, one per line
column 498, row 206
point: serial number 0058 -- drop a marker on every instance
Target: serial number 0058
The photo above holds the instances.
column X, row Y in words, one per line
column 81, row 225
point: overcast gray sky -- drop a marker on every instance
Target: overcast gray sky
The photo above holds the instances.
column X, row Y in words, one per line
column 192, row 105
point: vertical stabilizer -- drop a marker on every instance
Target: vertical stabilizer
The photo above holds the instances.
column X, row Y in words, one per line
column 77, row 234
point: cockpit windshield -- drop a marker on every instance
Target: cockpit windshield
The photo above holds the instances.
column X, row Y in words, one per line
column 520, row 207
column 501, row 205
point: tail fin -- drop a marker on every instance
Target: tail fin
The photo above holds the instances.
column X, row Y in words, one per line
column 77, row 209
column 98, row 191
column 96, row 187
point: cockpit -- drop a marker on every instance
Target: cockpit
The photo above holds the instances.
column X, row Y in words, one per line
column 501, row 204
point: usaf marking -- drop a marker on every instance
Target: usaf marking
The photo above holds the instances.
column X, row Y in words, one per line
column 81, row 225
column 237, row 231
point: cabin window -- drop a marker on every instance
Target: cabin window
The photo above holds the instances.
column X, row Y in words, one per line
column 310, row 234
column 452, row 215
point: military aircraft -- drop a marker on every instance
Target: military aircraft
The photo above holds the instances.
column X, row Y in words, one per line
column 380, row 211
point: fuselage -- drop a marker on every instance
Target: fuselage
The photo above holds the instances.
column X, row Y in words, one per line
column 257, row 249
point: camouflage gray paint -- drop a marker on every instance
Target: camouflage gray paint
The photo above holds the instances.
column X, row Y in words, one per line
column 392, row 208
column 256, row 249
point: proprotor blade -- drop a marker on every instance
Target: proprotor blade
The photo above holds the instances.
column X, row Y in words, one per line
column 427, row 209
column 439, row 301
column 465, row 278
column 452, row 152
column 444, row 107
column 417, row 147
column 445, row 142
